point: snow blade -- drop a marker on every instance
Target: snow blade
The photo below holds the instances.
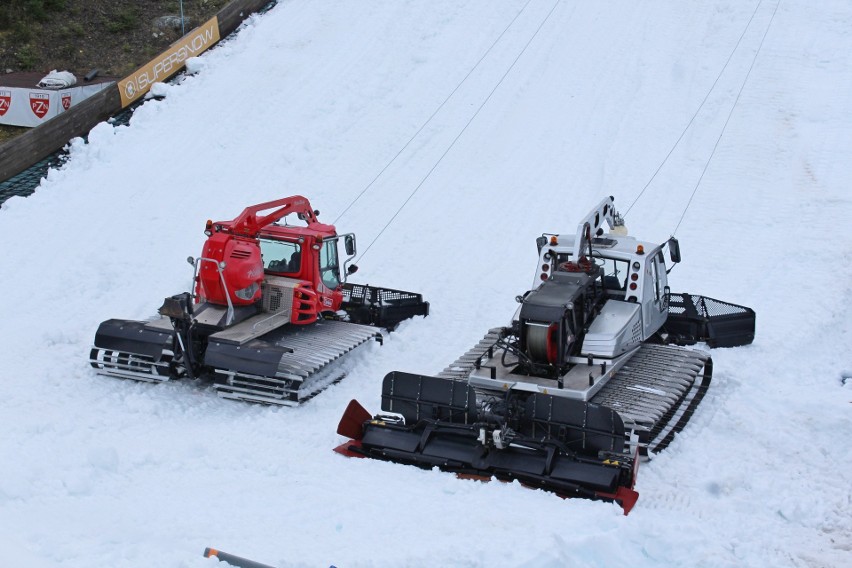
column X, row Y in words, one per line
column 352, row 423
column 419, row 396
column 569, row 447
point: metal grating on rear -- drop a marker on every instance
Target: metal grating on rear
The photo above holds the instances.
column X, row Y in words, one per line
column 705, row 307
column 358, row 293
column 711, row 307
column 276, row 298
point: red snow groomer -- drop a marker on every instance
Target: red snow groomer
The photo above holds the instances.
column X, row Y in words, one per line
column 590, row 374
column 269, row 316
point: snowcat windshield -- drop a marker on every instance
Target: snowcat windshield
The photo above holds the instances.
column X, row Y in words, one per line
column 614, row 271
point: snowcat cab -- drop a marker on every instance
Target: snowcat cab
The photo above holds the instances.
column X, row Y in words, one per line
column 258, row 261
column 269, row 314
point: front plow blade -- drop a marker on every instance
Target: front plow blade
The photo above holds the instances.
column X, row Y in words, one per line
column 569, row 447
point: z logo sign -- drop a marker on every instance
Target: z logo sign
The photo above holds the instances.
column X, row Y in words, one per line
column 66, row 102
column 40, row 104
column 5, row 101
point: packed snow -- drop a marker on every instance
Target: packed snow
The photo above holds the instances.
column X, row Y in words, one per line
column 487, row 123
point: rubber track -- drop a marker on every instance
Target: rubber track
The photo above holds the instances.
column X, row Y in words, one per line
column 657, row 391
column 461, row 368
column 301, row 372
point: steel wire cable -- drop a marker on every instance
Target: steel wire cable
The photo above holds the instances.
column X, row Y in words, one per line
column 727, row 120
column 462, row 131
column 437, row 110
column 698, row 110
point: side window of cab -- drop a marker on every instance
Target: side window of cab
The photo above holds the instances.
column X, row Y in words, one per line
column 329, row 264
column 659, row 275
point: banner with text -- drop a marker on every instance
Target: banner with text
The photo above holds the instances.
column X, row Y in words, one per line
column 169, row 62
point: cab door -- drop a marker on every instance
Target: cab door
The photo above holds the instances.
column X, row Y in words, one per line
column 655, row 299
column 331, row 293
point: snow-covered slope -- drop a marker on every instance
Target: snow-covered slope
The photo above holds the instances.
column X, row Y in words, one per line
column 554, row 105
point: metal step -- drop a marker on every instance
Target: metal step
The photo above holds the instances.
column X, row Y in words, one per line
column 251, row 328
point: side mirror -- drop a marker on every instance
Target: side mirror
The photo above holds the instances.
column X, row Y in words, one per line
column 540, row 242
column 352, row 269
column 349, row 244
column 674, row 250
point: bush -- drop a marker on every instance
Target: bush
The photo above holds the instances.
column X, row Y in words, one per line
column 73, row 30
column 27, row 57
column 21, row 33
column 23, row 14
column 39, row 10
column 123, row 21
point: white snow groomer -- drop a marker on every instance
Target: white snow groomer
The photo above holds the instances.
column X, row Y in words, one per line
column 269, row 316
column 590, row 374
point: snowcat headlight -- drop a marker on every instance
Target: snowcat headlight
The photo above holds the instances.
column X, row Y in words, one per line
column 636, row 265
column 247, row 293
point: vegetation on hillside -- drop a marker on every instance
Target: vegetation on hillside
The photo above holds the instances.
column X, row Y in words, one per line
column 113, row 36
